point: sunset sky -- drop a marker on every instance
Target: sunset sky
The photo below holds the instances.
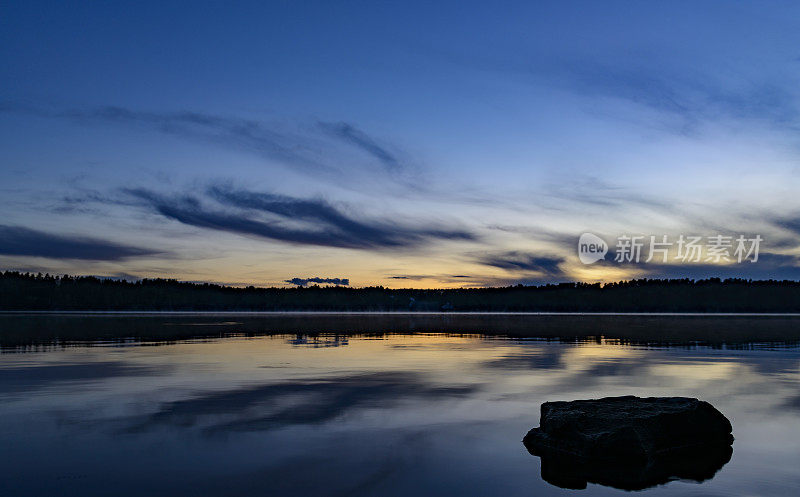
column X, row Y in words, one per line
column 404, row 144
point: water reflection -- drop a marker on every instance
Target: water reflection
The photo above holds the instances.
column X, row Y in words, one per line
column 388, row 414
column 30, row 378
column 571, row 472
column 26, row 330
column 271, row 406
column 317, row 341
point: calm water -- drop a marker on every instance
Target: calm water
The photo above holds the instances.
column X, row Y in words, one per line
column 397, row 414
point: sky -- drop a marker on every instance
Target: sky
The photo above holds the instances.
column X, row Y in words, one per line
column 403, row 144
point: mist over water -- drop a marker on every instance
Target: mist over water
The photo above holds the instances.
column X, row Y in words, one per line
column 362, row 414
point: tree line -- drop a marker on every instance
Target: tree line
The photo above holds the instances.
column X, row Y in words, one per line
column 28, row 291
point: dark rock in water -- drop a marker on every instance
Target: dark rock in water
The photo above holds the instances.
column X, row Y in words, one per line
column 628, row 427
column 630, row 442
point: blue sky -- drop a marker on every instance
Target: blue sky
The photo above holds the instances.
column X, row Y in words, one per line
column 401, row 144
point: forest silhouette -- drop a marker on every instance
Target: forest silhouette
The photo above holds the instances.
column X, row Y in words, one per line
column 27, row 291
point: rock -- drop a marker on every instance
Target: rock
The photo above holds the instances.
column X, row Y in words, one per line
column 630, row 442
column 628, row 427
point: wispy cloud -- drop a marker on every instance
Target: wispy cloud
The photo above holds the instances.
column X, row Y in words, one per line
column 321, row 281
column 521, row 261
column 354, row 136
column 693, row 96
column 316, row 149
column 304, row 150
column 236, row 133
column 20, row 241
column 596, row 192
column 680, row 95
column 441, row 278
column 788, row 223
column 276, row 217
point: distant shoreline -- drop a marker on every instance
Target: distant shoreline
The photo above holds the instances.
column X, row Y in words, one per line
column 23, row 292
column 395, row 313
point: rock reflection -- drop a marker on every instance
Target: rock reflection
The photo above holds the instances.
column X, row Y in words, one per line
column 573, row 472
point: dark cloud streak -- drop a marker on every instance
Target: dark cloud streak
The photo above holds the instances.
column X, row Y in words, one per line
column 298, row 149
column 321, row 281
column 242, row 134
column 352, row 135
column 519, row 261
column 228, row 132
column 20, row 241
column 328, row 226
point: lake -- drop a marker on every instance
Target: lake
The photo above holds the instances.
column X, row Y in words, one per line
column 358, row 405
